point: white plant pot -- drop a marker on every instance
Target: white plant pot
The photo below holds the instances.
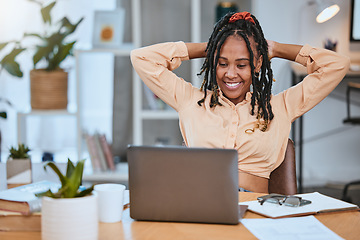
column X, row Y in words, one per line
column 69, row 218
column 18, row 171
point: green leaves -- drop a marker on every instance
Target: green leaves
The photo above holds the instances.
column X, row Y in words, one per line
column 2, row 45
column 9, row 63
column 42, row 52
column 45, row 12
column 3, row 114
column 66, row 26
column 57, row 171
column 62, row 53
column 52, row 49
column 20, row 153
column 13, row 68
column 70, row 183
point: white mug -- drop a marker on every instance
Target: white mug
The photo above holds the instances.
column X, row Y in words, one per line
column 110, row 201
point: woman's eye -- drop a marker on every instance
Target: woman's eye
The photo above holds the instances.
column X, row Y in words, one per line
column 241, row 65
column 222, row 64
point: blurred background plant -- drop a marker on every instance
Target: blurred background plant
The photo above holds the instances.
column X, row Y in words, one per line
column 52, row 46
column 3, row 112
column 19, row 152
column 3, row 115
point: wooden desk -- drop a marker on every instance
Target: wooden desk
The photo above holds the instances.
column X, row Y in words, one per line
column 345, row 224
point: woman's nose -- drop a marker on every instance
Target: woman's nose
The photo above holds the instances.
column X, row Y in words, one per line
column 230, row 73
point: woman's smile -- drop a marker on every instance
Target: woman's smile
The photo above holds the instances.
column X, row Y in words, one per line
column 233, row 85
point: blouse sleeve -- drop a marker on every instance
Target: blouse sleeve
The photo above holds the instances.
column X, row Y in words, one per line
column 155, row 63
column 326, row 70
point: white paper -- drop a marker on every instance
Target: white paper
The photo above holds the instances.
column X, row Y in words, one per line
column 319, row 202
column 296, row 228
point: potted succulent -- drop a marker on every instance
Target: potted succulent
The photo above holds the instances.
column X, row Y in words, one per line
column 70, row 213
column 18, row 165
column 48, row 84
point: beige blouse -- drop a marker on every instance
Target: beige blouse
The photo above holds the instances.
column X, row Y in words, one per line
column 229, row 125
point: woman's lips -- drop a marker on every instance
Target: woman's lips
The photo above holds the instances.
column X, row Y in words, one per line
column 232, row 85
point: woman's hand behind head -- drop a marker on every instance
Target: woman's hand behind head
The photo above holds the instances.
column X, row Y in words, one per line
column 271, row 47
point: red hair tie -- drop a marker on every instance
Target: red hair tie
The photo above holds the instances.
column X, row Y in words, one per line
column 241, row 15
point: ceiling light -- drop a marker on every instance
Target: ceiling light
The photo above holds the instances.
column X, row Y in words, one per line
column 326, row 10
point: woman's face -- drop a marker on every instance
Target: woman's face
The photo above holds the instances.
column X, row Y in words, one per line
column 233, row 72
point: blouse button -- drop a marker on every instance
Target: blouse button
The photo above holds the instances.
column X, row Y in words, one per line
column 232, row 135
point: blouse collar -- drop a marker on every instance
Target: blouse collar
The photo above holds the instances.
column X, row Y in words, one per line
column 246, row 100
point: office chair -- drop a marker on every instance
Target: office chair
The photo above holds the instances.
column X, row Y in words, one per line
column 283, row 178
column 352, row 86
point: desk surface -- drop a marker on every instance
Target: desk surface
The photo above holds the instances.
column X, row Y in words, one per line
column 345, row 224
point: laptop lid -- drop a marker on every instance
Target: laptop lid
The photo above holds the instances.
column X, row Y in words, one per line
column 183, row 184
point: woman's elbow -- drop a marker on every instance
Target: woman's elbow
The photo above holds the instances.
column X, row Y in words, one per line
column 347, row 63
column 134, row 56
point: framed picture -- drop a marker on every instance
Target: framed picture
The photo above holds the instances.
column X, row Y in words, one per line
column 108, row 28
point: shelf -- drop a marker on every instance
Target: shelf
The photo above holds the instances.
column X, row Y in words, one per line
column 159, row 114
column 119, row 175
column 60, row 155
column 124, row 50
column 47, row 113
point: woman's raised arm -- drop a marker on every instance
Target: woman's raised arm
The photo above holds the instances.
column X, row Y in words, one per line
column 281, row 50
column 196, row 50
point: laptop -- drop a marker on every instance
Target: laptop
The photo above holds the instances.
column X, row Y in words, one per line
column 181, row 184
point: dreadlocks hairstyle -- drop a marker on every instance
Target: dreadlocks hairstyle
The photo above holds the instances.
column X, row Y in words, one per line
column 244, row 25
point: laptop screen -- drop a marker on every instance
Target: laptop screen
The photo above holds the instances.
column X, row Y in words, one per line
column 183, row 184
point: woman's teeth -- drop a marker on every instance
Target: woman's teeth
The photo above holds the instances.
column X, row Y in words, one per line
column 232, row 84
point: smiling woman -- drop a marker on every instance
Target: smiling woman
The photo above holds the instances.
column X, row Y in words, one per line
column 224, row 112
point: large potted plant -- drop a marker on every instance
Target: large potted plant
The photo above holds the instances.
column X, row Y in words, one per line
column 70, row 213
column 18, row 165
column 48, row 83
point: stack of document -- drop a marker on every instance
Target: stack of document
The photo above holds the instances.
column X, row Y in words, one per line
column 319, row 203
column 290, row 226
